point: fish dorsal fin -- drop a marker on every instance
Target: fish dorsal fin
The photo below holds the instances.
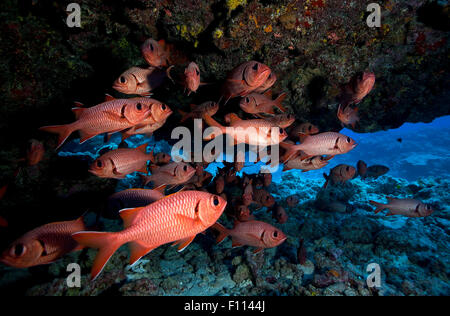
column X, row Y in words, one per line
column 234, row 118
column 128, row 215
column 268, row 94
column 142, row 148
column 183, row 243
column 78, row 111
column 78, row 104
column 109, row 97
column 138, row 250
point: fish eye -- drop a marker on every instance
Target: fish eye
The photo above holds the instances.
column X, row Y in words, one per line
column 348, row 140
column 197, row 72
column 255, row 66
column 151, row 47
column 309, row 128
column 247, row 100
column 19, row 250
column 123, row 79
column 163, row 107
column 99, row 163
column 185, row 168
column 428, row 207
column 281, row 130
column 275, row 234
column 216, row 201
column 139, row 106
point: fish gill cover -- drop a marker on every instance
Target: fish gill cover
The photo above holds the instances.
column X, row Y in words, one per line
column 359, row 205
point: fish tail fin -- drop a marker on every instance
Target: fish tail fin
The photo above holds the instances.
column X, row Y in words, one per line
column 223, row 232
column 291, row 150
column 379, row 206
column 107, row 243
column 279, row 100
column 184, row 115
column 302, row 137
column 63, row 132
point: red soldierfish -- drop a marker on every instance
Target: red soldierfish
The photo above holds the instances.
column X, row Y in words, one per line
column 300, row 131
column 198, row 111
column 358, row 87
column 347, row 115
column 257, row 132
column 174, row 173
column 176, row 218
column 35, row 152
column 118, row 163
column 108, row 117
column 43, row 245
column 305, row 165
column 192, row 77
column 282, row 120
column 405, row 207
column 155, row 53
column 328, row 143
column 244, row 79
column 251, row 233
column 361, row 168
column 340, row 174
column 140, row 80
column 258, row 104
column 279, row 214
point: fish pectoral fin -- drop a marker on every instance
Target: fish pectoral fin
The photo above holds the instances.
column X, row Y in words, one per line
column 109, row 97
column 235, row 244
column 138, row 250
column 257, row 250
column 183, row 243
column 118, row 174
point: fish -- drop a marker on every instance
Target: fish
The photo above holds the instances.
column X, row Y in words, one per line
column 3, row 222
column 140, row 81
column 155, row 53
column 282, row 120
column 192, row 77
column 176, row 218
column 197, row 111
column 267, row 179
column 244, row 79
column 376, row 171
column 131, row 198
column 160, row 158
column 267, row 84
column 251, row 233
column 110, row 116
column 405, row 207
column 263, row 198
column 173, row 174
column 247, row 196
column 159, row 113
column 323, row 144
column 302, row 130
column 301, row 252
column 255, row 103
column 43, row 244
column 279, row 214
column 361, row 168
column 199, row 180
column 257, row 132
column 305, row 165
column 359, row 86
column 339, row 174
column 35, row 152
column 118, row 163
column 292, row 200
column 243, row 214
column 348, row 116
column 219, row 184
